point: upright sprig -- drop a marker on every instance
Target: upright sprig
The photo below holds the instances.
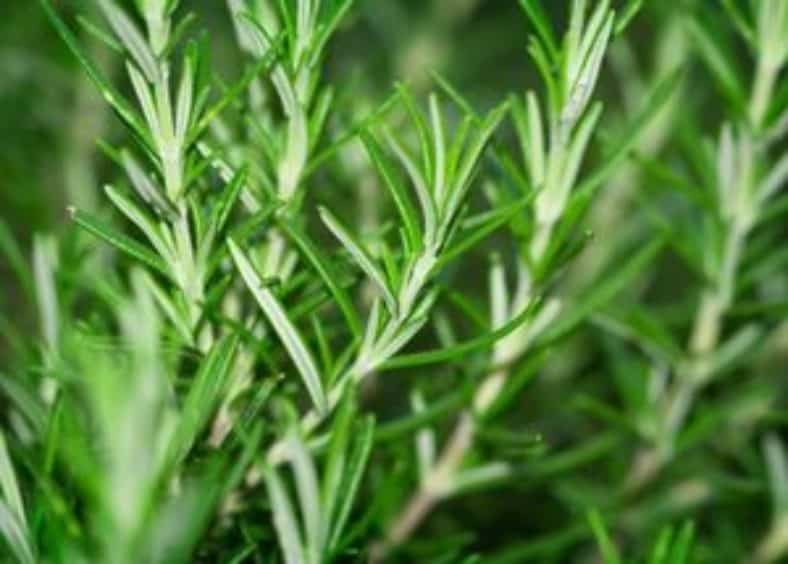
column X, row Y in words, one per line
column 284, row 146
column 181, row 222
column 403, row 279
column 746, row 177
column 552, row 165
column 553, row 159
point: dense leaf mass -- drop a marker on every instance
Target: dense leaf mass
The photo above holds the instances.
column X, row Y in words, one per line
column 313, row 281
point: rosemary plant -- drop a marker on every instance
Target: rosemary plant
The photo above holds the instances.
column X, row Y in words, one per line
column 365, row 284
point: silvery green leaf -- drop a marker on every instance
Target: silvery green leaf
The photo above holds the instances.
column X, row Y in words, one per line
column 16, row 536
column 470, row 160
column 582, row 88
column 777, row 466
column 9, row 484
column 293, row 161
column 44, row 265
column 499, row 294
column 308, row 497
column 775, row 180
column 426, row 201
column 535, row 140
column 479, row 477
column 284, row 519
column 185, row 101
column 425, row 439
column 132, row 39
column 357, row 462
column 439, row 149
column 143, row 222
column 144, row 186
column 283, row 327
column 144, row 97
column 361, row 256
column 573, row 37
column 399, row 340
column 592, row 30
column 169, row 308
column 577, row 151
column 370, row 333
column 734, row 348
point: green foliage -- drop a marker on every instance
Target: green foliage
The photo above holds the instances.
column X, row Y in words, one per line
column 367, row 284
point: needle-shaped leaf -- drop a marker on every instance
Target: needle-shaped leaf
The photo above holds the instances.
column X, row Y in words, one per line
column 477, row 229
column 283, row 327
column 224, row 206
column 544, row 30
column 204, row 395
column 603, row 291
column 307, row 488
column 622, row 145
column 142, row 220
column 118, row 240
column 719, row 64
column 113, row 97
column 609, row 551
column 460, row 350
column 284, row 519
column 357, row 462
column 10, row 485
column 336, row 458
column 396, row 187
column 259, row 67
column 15, row 536
column 327, row 274
column 361, row 256
column 134, row 42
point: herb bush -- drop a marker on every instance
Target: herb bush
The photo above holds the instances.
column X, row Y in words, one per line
column 394, row 281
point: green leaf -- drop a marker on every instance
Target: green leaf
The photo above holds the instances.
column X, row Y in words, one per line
column 283, row 327
column 422, row 130
column 603, row 291
column 356, row 464
column 659, row 553
column 133, row 41
column 315, row 523
column 284, row 519
column 15, row 536
column 10, row 485
column 544, row 30
column 393, row 181
column 361, row 256
column 435, row 411
column 15, row 260
column 228, row 198
column 718, row 62
column 113, row 97
column 118, row 240
column 662, row 92
column 336, row 458
column 681, row 551
column 327, row 274
column 483, row 226
column 609, row 551
column 102, row 35
column 460, row 184
column 262, row 65
column 203, row 396
column 458, row 351
column 627, row 14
